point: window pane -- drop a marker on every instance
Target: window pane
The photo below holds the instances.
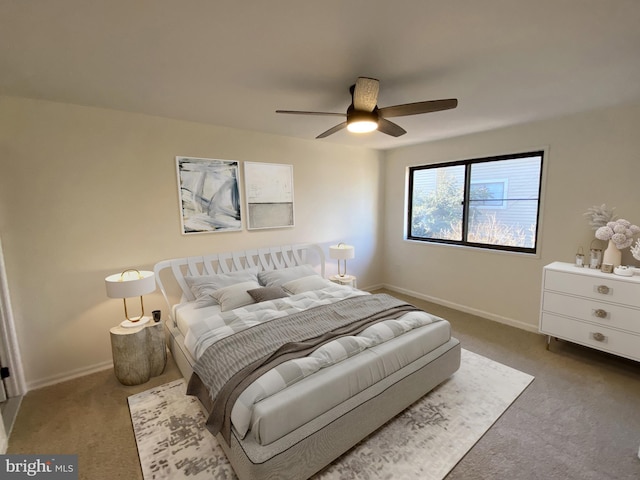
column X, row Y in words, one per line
column 506, row 214
column 437, row 203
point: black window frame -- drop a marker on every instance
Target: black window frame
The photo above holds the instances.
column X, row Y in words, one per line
column 465, row 202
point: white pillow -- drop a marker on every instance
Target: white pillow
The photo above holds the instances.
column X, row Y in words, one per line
column 273, row 278
column 235, row 296
column 305, row 284
column 204, row 286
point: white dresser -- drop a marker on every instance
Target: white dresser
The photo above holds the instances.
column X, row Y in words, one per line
column 586, row 306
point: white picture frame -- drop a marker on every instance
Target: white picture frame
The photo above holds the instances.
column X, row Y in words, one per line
column 209, row 195
column 269, row 195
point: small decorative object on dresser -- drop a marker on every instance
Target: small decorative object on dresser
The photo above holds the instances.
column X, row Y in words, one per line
column 591, row 308
column 620, row 235
column 612, row 256
column 138, row 353
column 635, row 250
column 623, row 271
column 595, row 255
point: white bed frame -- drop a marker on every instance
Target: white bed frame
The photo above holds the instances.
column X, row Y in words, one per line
column 305, row 451
column 265, row 259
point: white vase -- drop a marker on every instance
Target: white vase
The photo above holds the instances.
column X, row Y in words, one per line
column 612, row 255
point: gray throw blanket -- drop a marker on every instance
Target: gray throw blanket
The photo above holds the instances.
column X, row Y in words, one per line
column 228, row 366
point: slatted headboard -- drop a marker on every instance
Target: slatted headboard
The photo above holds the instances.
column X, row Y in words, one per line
column 265, row 259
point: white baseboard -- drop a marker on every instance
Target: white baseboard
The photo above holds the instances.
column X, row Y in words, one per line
column 463, row 308
column 63, row 377
column 371, row 288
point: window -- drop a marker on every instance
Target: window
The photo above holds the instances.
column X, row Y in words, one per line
column 484, row 202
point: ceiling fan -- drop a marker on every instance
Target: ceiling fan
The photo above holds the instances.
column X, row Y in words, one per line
column 363, row 115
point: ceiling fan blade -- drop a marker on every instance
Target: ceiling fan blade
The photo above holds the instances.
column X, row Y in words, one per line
column 333, row 130
column 418, row 107
column 365, row 94
column 298, row 112
column 390, row 128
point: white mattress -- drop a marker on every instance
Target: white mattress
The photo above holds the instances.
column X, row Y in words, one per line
column 301, row 402
column 186, row 314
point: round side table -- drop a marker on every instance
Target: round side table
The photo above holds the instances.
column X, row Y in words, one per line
column 139, row 353
column 349, row 280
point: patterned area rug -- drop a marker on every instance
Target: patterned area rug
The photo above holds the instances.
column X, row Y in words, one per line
column 425, row 441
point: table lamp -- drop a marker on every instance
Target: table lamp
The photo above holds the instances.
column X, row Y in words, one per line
column 342, row 252
column 128, row 284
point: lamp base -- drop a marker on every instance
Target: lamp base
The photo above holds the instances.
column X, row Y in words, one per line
column 138, row 323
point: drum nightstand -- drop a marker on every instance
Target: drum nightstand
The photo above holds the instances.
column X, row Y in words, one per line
column 139, row 353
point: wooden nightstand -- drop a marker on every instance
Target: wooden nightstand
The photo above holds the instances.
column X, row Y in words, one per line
column 349, row 280
column 139, row 353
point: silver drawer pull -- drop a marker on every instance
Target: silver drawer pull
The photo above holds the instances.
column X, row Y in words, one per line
column 598, row 337
column 603, row 289
column 600, row 313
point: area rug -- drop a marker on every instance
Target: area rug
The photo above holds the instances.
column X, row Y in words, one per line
column 424, row 442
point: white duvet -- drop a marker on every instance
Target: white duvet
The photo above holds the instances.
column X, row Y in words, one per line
column 259, row 408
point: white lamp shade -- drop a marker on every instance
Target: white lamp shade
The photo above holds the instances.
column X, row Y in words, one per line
column 130, row 283
column 341, row 252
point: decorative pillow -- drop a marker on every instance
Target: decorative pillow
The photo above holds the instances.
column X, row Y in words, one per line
column 235, row 296
column 204, row 286
column 264, row 294
column 274, row 278
column 305, row 284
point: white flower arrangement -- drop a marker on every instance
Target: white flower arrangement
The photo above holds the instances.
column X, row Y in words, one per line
column 635, row 250
column 620, row 232
column 600, row 215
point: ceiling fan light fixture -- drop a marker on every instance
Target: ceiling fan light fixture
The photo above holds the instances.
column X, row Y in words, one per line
column 362, row 126
column 362, row 122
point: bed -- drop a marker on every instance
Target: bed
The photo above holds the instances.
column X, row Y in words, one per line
column 293, row 370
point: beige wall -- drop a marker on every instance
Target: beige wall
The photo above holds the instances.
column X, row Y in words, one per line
column 87, row 192
column 593, row 158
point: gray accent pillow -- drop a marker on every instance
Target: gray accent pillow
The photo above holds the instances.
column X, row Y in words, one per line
column 204, row 286
column 274, row 278
column 264, row 294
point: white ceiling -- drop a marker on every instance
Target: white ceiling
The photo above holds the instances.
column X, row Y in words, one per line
column 234, row 62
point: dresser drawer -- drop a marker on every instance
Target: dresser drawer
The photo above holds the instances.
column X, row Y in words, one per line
column 604, row 289
column 605, row 314
column 602, row 338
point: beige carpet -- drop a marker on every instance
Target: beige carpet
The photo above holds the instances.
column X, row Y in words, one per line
column 425, row 441
column 579, row 420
